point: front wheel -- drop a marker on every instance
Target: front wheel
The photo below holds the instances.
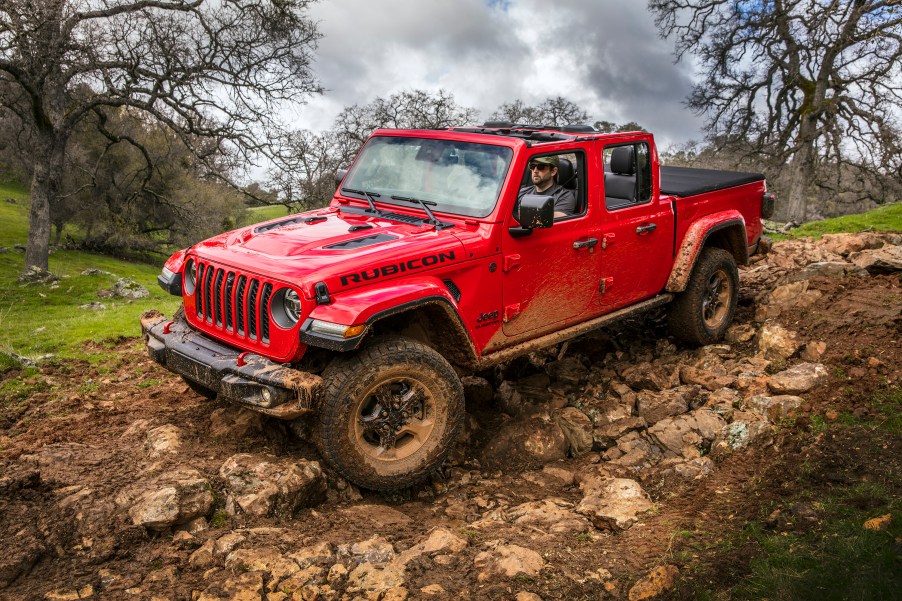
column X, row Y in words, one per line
column 702, row 313
column 389, row 414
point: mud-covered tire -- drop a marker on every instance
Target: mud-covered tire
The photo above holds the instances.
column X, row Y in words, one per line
column 200, row 389
column 387, row 448
column 702, row 313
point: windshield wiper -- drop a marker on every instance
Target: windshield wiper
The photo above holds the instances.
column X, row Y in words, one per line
column 425, row 204
column 367, row 195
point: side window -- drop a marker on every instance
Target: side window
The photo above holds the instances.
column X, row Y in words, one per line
column 561, row 176
column 627, row 175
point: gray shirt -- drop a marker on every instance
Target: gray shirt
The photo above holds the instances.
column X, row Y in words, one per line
column 564, row 199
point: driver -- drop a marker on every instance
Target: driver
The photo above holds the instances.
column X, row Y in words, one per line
column 543, row 172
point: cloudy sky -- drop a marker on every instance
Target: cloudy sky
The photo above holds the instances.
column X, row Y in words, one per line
column 604, row 55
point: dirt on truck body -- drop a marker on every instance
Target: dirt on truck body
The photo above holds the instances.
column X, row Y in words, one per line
column 449, row 251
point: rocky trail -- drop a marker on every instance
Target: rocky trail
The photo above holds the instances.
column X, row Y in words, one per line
column 580, row 472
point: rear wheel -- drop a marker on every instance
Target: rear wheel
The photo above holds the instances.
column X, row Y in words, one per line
column 702, row 313
column 389, row 414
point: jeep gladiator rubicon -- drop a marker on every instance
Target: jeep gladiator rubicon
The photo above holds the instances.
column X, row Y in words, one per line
column 429, row 263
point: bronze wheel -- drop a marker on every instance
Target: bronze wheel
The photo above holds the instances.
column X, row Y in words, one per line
column 702, row 313
column 389, row 414
column 716, row 301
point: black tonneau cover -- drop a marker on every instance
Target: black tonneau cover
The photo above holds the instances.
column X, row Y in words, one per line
column 686, row 181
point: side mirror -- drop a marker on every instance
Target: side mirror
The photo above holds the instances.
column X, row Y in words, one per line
column 536, row 211
column 340, row 175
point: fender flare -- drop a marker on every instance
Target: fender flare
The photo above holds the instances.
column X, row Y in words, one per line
column 372, row 304
column 694, row 241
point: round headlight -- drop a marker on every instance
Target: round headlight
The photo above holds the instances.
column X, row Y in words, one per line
column 190, row 276
column 292, row 304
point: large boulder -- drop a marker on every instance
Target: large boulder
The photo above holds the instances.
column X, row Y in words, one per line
column 266, row 485
column 174, row 497
column 776, row 342
column 689, row 435
column 798, row 379
column 577, row 429
column 613, row 503
column 508, row 561
column 533, row 439
column 881, row 261
column 773, row 407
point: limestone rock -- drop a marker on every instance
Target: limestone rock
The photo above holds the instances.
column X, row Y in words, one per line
column 577, row 428
column 648, row 376
column 440, row 540
column 653, row 407
column 688, row 435
column 125, row 288
column 174, row 497
column 242, row 587
column 826, row 269
column 880, row 261
column 846, row 244
column 798, row 379
column 813, row 351
column 550, row 515
column 606, row 436
column 776, row 342
column 657, row 582
column 163, row 440
column 368, row 577
column 264, row 485
column 528, row 440
column 509, row 561
column 568, row 370
column 613, row 503
column 739, row 332
column 774, row 407
column 227, row 543
column 373, row 550
column 741, row 434
column 634, row 451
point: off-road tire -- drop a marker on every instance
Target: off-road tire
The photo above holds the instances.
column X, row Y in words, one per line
column 200, row 389
column 355, row 436
column 702, row 313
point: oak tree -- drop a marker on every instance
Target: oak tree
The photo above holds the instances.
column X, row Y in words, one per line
column 813, row 85
column 214, row 72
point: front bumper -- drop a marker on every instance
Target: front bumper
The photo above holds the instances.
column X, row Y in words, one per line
column 250, row 380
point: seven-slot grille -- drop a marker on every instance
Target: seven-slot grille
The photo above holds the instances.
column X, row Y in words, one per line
column 234, row 302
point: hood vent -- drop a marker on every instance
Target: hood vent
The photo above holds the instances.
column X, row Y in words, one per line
column 293, row 220
column 360, row 242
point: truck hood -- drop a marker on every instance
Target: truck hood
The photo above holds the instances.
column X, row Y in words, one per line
column 343, row 249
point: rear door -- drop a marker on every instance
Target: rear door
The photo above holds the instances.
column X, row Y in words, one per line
column 636, row 230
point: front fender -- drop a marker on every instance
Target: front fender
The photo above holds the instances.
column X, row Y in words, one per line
column 368, row 305
column 694, row 240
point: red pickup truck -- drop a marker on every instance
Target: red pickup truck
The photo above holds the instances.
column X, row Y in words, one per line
column 434, row 259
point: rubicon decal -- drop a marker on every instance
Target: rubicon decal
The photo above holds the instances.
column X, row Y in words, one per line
column 368, row 275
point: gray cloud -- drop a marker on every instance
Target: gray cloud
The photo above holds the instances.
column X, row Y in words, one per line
column 604, row 55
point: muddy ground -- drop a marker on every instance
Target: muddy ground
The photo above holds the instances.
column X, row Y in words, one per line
column 76, row 440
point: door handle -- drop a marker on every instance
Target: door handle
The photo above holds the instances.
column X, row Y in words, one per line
column 644, row 229
column 585, row 243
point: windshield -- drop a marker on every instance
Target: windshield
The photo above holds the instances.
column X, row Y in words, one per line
column 459, row 177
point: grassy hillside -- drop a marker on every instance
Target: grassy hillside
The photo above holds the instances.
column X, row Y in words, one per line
column 887, row 218
column 38, row 319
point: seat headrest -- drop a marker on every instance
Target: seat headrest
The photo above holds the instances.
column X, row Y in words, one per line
column 565, row 173
column 622, row 160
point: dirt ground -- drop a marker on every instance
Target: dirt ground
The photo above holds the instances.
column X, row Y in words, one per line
column 67, row 452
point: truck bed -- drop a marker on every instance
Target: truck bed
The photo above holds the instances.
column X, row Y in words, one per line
column 687, row 181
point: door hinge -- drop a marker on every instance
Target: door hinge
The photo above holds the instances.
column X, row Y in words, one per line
column 510, row 262
column 605, row 284
column 606, row 240
column 511, row 311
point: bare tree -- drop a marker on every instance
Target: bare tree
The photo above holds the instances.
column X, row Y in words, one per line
column 555, row 112
column 213, row 72
column 811, row 84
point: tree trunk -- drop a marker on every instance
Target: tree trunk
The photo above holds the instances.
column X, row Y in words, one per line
column 45, row 185
column 801, row 169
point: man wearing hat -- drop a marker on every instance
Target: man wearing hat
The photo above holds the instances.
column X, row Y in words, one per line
column 543, row 171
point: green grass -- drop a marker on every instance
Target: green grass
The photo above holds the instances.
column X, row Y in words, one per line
column 887, row 218
column 38, row 320
column 839, row 559
column 258, row 214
